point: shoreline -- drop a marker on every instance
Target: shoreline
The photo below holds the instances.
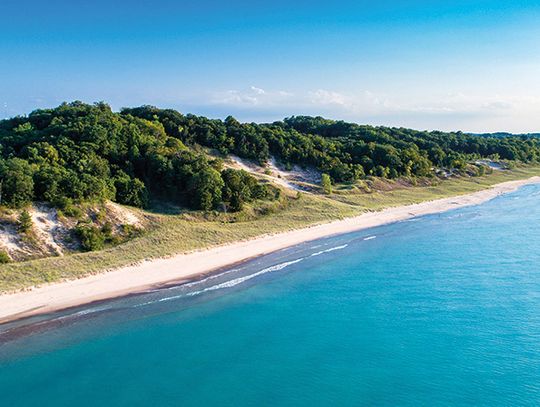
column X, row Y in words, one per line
column 164, row 272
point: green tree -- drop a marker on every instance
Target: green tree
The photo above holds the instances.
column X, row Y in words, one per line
column 17, row 182
column 24, row 222
column 237, row 188
column 326, row 184
column 206, row 189
column 78, row 152
column 130, row 191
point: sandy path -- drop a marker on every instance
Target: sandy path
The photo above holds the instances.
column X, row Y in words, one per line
column 161, row 271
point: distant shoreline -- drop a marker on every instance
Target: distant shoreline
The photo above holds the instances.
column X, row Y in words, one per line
column 177, row 269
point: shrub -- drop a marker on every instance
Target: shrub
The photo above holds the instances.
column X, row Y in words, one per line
column 73, row 211
column 24, row 222
column 92, row 238
column 4, row 257
column 240, row 187
column 130, row 231
column 16, row 182
column 326, row 184
column 130, row 191
column 107, row 231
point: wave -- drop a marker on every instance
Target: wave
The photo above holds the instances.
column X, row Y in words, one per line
column 227, row 284
column 239, row 280
column 77, row 314
column 211, row 277
column 329, row 250
column 370, row 237
column 233, row 282
column 190, row 284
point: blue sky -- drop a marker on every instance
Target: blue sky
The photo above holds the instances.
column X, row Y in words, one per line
column 470, row 65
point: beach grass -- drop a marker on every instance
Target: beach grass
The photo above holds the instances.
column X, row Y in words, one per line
column 171, row 234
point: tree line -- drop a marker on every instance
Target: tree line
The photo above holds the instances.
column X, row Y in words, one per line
column 345, row 151
column 78, row 152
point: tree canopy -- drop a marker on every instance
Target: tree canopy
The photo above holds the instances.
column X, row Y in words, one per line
column 79, row 152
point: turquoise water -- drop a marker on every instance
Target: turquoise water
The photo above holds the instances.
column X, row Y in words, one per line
column 442, row 310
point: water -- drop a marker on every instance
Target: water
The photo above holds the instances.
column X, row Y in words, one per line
column 441, row 310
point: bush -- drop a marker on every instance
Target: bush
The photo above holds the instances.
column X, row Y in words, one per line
column 326, row 184
column 24, row 222
column 130, row 231
column 240, row 187
column 17, row 182
column 4, row 257
column 92, row 238
column 131, row 191
column 73, row 211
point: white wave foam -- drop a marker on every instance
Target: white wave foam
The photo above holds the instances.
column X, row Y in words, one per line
column 239, row 280
column 211, row 277
column 77, row 314
column 226, row 284
column 370, row 237
column 191, row 284
column 329, row 250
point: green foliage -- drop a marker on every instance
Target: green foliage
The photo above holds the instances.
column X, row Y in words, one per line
column 130, row 231
column 4, row 257
column 130, row 191
column 344, row 151
column 205, row 187
column 92, row 237
column 78, row 153
column 24, row 222
column 240, row 187
column 326, row 184
column 67, row 208
column 17, row 183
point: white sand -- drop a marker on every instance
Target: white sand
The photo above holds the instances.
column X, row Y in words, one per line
column 184, row 266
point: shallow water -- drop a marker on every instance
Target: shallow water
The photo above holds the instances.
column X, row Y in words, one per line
column 440, row 310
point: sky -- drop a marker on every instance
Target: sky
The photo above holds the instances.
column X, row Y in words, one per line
column 450, row 65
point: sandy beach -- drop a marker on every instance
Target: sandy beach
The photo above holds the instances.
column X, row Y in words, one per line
column 159, row 272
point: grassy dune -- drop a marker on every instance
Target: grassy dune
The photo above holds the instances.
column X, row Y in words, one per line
column 172, row 234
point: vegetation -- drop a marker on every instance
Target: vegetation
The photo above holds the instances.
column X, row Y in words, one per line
column 172, row 234
column 79, row 152
column 4, row 258
column 345, row 151
column 91, row 237
column 240, row 187
column 24, row 222
column 326, row 184
column 77, row 156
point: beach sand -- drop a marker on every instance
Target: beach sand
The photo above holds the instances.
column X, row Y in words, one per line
column 182, row 267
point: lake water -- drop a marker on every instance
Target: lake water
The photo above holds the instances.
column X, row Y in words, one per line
column 440, row 310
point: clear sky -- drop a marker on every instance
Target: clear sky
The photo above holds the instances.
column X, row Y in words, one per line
column 452, row 65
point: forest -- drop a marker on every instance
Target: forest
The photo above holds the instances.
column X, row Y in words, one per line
column 82, row 152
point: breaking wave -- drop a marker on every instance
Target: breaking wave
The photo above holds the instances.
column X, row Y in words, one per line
column 329, row 250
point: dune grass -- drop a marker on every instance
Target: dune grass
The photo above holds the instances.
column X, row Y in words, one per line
column 173, row 234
